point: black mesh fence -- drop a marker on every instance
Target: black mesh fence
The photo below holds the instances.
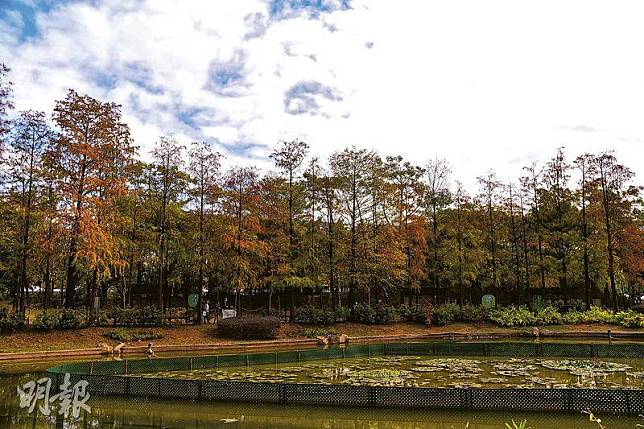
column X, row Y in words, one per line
column 598, row 400
column 114, row 378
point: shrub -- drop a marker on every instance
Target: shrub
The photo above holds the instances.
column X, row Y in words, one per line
column 47, row 320
column 576, row 304
column 474, row 313
column 629, row 319
column 10, row 322
column 65, row 318
column 71, row 319
column 597, row 315
column 150, row 316
column 364, row 314
column 445, row 313
column 121, row 335
column 414, row 313
column 513, row 316
column 342, row 314
column 135, row 316
column 572, row 317
column 249, row 327
column 273, row 312
column 314, row 316
column 386, row 314
column 537, row 304
column 379, row 315
column 549, row 316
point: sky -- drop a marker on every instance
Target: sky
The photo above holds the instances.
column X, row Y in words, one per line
column 484, row 84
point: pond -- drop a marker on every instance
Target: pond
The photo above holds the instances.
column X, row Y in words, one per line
column 407, row 370
column 430, row 371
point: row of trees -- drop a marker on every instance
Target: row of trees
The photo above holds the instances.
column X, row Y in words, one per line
column 83, row 215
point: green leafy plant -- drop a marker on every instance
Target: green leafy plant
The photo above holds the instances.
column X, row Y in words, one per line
column 364, row 314
column 65, row 318
column 72, row 319
column 549, row 316
column 136, row 316
column 314, row 316
column 474, row 313
column 414, row 313
column 10, row 321
column 342, row 314
column 380, row 315
column 47, row 320
column 630, row 319
column 446, row 313
column 513, row 316
column 597, row 315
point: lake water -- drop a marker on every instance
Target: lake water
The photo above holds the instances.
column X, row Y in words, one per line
column 131, row 413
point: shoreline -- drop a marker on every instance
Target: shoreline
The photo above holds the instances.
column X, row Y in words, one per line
column 134, row 349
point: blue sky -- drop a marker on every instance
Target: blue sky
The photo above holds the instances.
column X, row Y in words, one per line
column 485, row 84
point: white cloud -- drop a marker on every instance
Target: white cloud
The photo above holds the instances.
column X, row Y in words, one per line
column 485, row 84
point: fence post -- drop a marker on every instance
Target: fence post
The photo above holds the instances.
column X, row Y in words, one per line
column 199, row 389
column 283, row 397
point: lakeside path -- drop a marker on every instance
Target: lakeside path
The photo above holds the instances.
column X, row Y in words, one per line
column 32, row 344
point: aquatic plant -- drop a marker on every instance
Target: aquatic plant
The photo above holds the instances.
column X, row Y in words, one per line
column 585, row 367
column 520, row 425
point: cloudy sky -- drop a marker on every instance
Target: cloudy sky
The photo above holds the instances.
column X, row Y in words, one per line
column 483, row 83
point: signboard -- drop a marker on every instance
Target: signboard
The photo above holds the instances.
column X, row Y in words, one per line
column 193, row 300
column 488, row 301
column 225, row 314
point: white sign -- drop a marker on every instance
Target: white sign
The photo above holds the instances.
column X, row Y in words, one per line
column 70, row 398
column 225, row 314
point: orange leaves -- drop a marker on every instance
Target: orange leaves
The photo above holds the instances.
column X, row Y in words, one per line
column 91, row 158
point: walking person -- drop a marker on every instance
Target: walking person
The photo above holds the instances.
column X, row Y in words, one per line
column 205, row 313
